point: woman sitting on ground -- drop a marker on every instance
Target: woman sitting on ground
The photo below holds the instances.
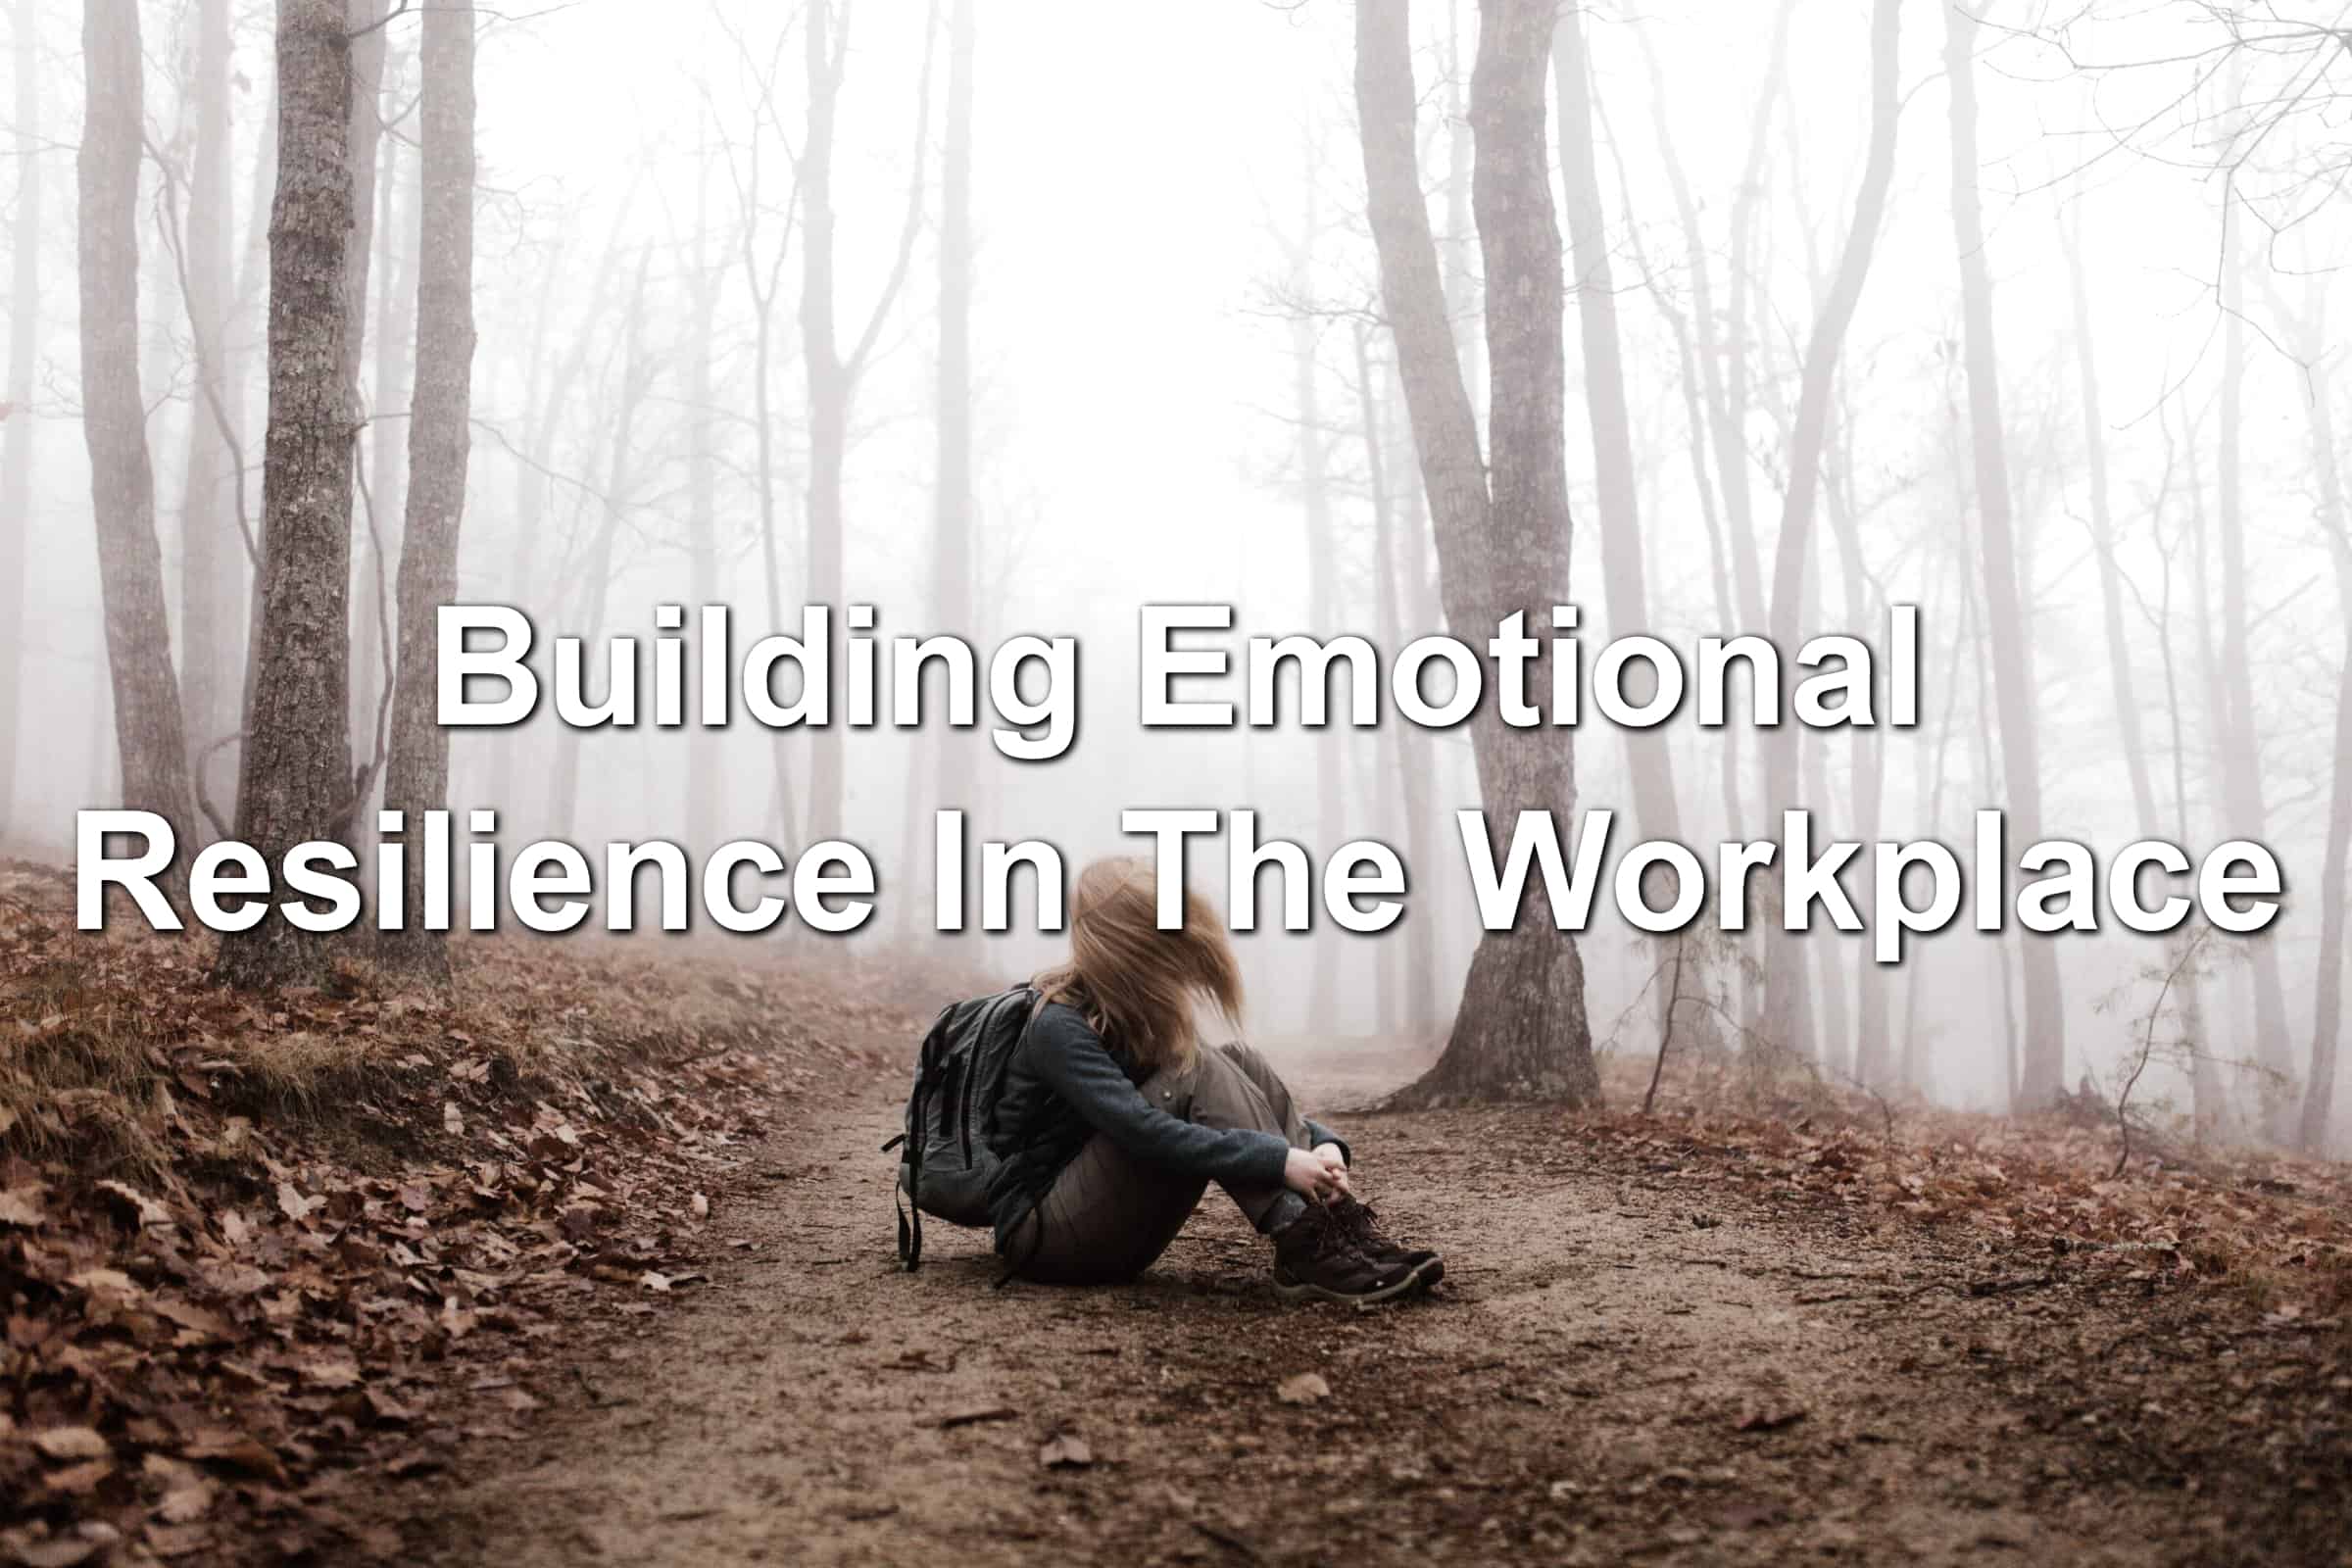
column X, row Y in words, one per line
column 1113, row 1118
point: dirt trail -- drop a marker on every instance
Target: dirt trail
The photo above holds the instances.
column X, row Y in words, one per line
column 1622, row 1362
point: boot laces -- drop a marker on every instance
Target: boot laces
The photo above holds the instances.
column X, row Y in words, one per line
column 1361, row 1223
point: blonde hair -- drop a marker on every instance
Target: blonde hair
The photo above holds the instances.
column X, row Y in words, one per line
column 1135, row 984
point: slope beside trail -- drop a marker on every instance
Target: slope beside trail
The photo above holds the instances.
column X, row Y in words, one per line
column 1628, row 1360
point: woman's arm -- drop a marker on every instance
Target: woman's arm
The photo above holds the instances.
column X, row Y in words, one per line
column 1317, row 1135
column 1071, row 1059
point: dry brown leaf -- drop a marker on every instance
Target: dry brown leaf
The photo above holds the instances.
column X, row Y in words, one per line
column 195, row 1319
column 75, row 1479
column 177, row 1541
column 1065, row 1452
column 72, row 1443
column 1305, row 1388
column 105, row 1282
column 387, row 1411
column 331, row 1372
column 1770, row 1417
column 21, row 1205
column 238, row 1451
column 146, row 1210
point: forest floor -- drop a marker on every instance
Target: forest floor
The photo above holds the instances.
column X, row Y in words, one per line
column 591, row 1260
column 1638, row 1352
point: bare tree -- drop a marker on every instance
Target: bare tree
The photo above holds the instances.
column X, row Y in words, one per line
column 16, row 426
column 1322, row 546
column 1701, row 379
column 2240, row 735
column 212, row 555
column 2319, row 1093
column 149, row 737
column 1731, row 461
column 951, row 499
column 1410, row 764
column 1784, row 984
column 595, row 577
column 2044, row 1067
column 440, row 444
column 833, row 373
column 296, row 776
column 1502, row 539
column 2102, row 532
column 705, row 782
column 1652, row 764
column 379, row 544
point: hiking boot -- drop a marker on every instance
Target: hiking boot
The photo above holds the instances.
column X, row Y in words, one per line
column 1362, row 1227
column 1314, row 1259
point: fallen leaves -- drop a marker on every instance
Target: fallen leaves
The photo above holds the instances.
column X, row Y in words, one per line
column 968, row 1418
column 1770, row 1415
column 144, row 1209
column 1303, row 1387
column 72, row 1442
column 22, row 1206
column 1062, row 1452
column 197, row 1339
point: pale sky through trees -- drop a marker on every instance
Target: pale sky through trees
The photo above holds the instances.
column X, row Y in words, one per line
column 1140, row 177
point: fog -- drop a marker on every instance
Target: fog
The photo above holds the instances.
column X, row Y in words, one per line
column 1176, row 305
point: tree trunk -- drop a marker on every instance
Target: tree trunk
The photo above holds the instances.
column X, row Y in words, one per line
column 149, row 737
column 1730, row 422
column 1409, row 762
column 833, row 375
column 2044, row 1069
column 1650, row 764
column 211, row 549
column 1873, row 1027
column 1322, row 564
column 1458, row 257
column 1784, row 1006
column 596, row 578
column 364, row 48
column 829, row 392
column 704, row 775
column 1700, row 381
column 951, row 503
column 2212, row 1108
column 1521, row 1031
column 2319, row 1094
column 2318, row 1091
column 2240, row 735
column 17, row 427
column 2102, row 533
column 296, row 779
column 440, row 443
column 388, row 438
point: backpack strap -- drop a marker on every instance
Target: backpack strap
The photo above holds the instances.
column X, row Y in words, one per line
column 911, row 1231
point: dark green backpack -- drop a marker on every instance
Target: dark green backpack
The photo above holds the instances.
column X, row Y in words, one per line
column 946, row 1161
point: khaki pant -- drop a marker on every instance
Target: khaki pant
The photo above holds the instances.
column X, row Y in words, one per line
column 1109, row 1214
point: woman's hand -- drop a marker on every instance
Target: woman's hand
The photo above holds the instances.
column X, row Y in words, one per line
column 1336, row 1156
column 1320, row 1174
